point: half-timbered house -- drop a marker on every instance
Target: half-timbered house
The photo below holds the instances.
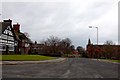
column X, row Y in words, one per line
column 8, row 41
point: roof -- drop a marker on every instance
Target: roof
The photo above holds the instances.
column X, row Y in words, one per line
column 17, row 35
column 103, row 46
column 22, row 36
column 40, row 45
column 3, row 26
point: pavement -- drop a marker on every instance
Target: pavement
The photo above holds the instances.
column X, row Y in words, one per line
column 32, row 62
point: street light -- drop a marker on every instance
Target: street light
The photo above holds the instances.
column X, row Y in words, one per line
column 97, row 32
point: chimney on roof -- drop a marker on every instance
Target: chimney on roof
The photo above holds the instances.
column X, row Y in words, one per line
column 10, row 21
column 16, row 27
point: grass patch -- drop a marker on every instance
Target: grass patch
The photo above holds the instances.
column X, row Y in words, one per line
column 111, row 60
column 24, row 57
column 115, row 60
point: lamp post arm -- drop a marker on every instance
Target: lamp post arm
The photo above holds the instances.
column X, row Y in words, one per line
column 97, row 32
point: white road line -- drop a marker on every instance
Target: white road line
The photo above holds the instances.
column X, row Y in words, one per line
column 98, row 76
column 65, row 75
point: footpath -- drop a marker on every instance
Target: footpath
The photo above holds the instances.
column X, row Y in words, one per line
column 32, row 62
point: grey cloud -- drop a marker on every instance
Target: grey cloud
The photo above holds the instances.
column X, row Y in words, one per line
column 62, row 19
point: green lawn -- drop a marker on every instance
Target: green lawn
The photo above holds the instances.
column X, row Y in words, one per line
column 24, row 57
column 111, row 60
column 115, row 60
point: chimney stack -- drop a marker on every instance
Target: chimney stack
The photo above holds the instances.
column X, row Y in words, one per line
column 16, row 27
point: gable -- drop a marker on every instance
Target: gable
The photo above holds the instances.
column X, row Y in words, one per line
column 0, row 28
column 8, row 31
column 7, row 35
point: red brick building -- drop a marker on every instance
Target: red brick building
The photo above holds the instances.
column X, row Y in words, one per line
column 103, row 51
column 36, row 48
column 23, row 41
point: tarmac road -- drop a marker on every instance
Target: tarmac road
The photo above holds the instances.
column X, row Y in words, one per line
column 71, row 68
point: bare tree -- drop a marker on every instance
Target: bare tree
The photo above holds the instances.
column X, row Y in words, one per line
column 72, row 47
column 65, row 45
column 55, row 45
column 109, row 42
column 110, row 49
column 51, row 45
column 81, row 51
column 67, row 42
column 52, row 41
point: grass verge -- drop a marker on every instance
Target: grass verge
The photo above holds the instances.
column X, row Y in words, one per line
column 111, row 60
column 24, row 57
column 115, row 60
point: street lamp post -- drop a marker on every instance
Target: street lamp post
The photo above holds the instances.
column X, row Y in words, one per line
column 97, row 32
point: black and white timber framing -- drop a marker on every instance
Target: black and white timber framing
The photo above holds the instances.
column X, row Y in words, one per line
column 8, row 40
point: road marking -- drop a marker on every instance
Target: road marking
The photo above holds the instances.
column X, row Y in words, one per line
column 98, row 76
column 65, row 75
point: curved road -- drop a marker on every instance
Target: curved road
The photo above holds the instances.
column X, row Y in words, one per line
column 71, row 68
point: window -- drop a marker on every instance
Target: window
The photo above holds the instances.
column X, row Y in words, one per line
column 3, row 48
column 0, row 47
column 26, row 45
column 4, row 36
column 11, row 48
column 11, row 38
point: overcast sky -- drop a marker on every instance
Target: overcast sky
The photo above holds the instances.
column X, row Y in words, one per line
column 68, row 18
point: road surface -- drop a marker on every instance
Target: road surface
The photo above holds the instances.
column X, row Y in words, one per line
column 71, row 68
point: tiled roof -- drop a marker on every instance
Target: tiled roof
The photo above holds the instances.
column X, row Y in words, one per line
column 22, row 36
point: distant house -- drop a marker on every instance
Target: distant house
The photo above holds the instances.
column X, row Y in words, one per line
column 36, row 48
column 8, row 40
column 103, row 51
